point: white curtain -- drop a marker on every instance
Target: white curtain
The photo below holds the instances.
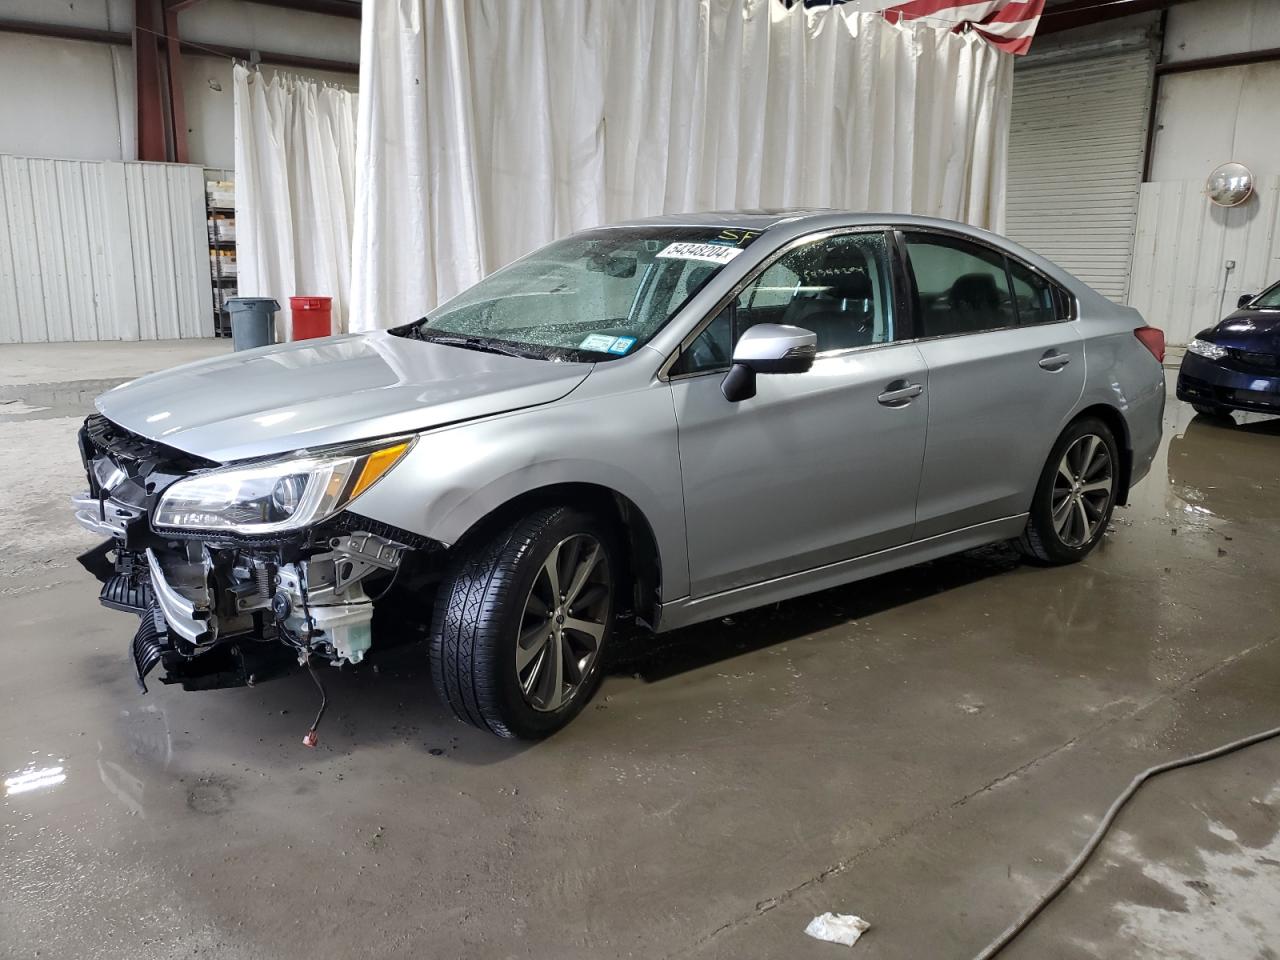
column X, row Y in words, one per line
column 295, row 190
column 490, row 127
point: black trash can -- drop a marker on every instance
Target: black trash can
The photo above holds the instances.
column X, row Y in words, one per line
column 253, row 322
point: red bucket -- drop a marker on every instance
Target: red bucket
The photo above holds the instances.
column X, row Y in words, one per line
column 310, row 317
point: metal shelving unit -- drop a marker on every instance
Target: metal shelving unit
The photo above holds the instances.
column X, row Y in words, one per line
column 223, row 274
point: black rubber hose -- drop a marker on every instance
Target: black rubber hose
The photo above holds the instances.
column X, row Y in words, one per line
column 1024, row 921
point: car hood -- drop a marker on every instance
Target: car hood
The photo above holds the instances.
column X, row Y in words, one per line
column 1256, row 330
column 313, row 393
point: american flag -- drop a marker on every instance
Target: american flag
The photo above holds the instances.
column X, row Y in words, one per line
column 1008, row 25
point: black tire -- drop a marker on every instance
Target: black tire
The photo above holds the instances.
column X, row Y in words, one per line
column 1211, row 410
column 479, row 612
column 1041, row 540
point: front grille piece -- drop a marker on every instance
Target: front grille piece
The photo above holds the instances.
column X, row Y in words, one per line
column 128, row 593
column 149, row 644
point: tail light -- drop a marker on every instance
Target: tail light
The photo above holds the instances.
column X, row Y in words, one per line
column 1153, row 339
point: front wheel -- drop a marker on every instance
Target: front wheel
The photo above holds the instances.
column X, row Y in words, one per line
column 521, row 621
column 1075, row 495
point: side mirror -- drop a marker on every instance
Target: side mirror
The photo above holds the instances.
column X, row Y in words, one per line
column 1245, row 300
column 767, row 348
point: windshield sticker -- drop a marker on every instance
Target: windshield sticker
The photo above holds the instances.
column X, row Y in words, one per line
column 735, row 238
column 622, row 345
column 712, row 253
column 600, row 342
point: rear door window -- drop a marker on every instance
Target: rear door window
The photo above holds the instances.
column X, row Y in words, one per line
column 960, row 287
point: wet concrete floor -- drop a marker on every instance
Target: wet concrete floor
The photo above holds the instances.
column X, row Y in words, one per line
column 927, row 749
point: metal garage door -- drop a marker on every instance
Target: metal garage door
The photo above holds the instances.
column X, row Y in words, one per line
column 1076, row 142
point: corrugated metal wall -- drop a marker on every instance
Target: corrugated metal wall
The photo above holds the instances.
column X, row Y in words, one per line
column 102, row 251
column 1180, row 281
column 1076, row 140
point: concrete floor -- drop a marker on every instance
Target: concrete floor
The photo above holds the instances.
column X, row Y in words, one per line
column 927, row 749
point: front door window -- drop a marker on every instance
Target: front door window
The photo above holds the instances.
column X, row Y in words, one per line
column 837, row 287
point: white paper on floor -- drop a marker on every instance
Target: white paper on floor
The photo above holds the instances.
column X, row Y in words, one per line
column 837, row 927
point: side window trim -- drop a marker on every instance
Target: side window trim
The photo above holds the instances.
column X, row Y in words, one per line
column 906, row 285
column 1059, row 293
column 885, row 230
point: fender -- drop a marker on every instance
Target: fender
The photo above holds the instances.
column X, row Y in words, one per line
column 627, row 442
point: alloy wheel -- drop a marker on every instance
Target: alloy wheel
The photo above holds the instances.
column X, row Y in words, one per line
column 563, row 622
column 1082, row 490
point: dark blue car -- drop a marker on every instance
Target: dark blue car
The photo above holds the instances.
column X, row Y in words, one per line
column 1236, row 365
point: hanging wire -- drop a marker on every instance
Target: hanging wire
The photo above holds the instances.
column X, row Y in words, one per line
column 312, row 738
column 191, row 43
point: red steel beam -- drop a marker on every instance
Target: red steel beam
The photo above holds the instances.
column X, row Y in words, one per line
column 146, row 61
column 173, row 64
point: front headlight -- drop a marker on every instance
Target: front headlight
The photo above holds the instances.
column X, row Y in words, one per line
column 1203, row 348
column 277, row 496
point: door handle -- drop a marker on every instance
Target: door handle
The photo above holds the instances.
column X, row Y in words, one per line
column 1054, row 361
column 899, row 393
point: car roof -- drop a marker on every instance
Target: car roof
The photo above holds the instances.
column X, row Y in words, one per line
column 783, row 224
column 765, row 219
column 757, row 219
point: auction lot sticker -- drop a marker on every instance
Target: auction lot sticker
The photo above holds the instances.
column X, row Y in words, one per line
column 711, row 252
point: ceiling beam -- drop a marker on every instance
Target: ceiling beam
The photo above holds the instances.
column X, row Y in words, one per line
column 1082, row 13
column 293, row 60
column 332, row 8
column 1215, row 63
column 60, row 31
column 63, row 32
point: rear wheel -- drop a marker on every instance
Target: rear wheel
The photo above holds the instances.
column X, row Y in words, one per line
column 522, row 620
column 1075, row 496
column 1211, row 410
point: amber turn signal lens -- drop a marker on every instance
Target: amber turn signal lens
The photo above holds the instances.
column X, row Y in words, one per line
column 377, row 463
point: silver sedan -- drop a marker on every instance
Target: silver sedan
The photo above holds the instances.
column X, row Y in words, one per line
column 656, row 422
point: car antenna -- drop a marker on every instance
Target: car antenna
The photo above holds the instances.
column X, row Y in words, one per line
column 312, row 738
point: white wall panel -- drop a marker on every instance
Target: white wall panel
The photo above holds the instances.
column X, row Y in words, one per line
column 102, row 251
column 65, row 98
column 1076, row 140
column 97, row 14
column 1212, row 28
column 1208, row 117
column 1180, row 282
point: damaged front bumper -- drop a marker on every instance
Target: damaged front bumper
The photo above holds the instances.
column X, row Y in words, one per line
column 228, row 611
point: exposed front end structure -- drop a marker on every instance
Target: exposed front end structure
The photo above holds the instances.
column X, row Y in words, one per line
column 228, row 609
